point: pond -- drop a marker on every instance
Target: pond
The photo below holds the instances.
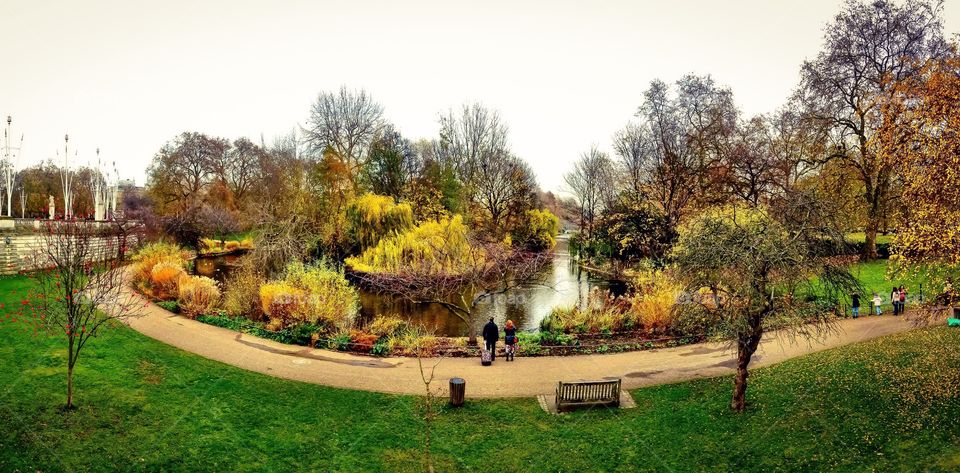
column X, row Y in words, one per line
column 562, row 283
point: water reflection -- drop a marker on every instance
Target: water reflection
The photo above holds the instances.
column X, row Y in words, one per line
column 561, row 283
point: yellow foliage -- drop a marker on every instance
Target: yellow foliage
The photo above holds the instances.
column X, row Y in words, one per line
column 197, row 295
column 373, row 217
column 310, row 294
column 232, row 245
column 653, row 303
column 429, row 248
column 152, row 254
column 164, row 278
column 919, row 138
column 281, row 301
column 385, row 325
column 538, row 231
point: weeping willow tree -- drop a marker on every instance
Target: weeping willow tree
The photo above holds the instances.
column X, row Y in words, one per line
column 438, row 262
column 373, row 217
column 431, row 248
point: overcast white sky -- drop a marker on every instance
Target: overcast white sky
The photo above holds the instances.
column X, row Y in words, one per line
column 126, row 76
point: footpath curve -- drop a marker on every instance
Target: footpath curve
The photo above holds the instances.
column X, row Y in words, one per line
column 524, row 377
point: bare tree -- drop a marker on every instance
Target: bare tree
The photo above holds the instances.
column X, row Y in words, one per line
column 242, row 170
column 79, row 287
column 345, row 121
column 593, row 185
column 505, row 187
column 634, row 145
column 427, row 375
column 796, row 145
column 183, row 168
column 751, row 162
column 867, row 48
column 467, row 140
column 683, row 137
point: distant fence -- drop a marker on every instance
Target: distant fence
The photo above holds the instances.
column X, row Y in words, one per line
column 21, row 239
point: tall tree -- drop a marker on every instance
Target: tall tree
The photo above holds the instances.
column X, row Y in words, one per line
column 181, row 171
column 675, row 155
column 505, row 188
column 920, row 128
column 470, row 138
column 392, row 164
column 592, row 183
column 868, row 47
column 346, row 122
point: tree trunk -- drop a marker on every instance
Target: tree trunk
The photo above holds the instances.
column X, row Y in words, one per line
column 746, row 346
column 70, row 362
column 69, row 387
column 870, row 241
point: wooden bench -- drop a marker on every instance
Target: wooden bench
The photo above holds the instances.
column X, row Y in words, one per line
column 588, row 393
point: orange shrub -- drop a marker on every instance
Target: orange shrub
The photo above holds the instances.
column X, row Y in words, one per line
column 361, row 341
column 164, row 278
column 151, row 255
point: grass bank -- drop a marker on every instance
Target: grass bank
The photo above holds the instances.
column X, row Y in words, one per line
column 888, row 404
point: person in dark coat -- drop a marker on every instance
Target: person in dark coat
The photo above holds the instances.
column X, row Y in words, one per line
column 491, row 333
column 855, row 304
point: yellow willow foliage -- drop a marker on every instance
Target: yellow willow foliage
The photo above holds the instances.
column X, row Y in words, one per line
column 373, row 217
column 433, row 247
column 538, row 230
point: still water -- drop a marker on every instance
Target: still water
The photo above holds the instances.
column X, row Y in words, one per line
column 562, row 283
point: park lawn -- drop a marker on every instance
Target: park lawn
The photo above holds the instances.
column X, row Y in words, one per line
column 860, row 237
column 887, row 404
column 873, row 277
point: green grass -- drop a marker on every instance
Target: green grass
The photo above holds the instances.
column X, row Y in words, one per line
column 873, row 277
column 860, row 237
column 888, row 404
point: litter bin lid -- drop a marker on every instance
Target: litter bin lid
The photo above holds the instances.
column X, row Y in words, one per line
column 457, row 381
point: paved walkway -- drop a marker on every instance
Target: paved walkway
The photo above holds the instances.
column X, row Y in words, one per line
column 524, row 377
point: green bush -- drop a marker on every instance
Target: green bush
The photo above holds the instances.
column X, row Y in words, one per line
column 170, row 306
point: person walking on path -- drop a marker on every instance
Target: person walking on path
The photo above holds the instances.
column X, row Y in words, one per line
column 877, row 301
column 491, row 333
column 855, row 304
column 895, row 300
column 903, row 299
column 510, row 340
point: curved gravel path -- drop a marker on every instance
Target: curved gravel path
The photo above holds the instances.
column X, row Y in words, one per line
column 524, row 377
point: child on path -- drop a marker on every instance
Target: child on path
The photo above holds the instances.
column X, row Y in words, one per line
column 895, row 300
column 855, row 304
column 877, row 300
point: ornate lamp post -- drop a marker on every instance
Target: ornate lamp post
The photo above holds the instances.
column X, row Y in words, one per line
column 10, row 155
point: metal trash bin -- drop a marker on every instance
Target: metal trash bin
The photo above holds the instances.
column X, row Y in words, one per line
column 458, row 391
